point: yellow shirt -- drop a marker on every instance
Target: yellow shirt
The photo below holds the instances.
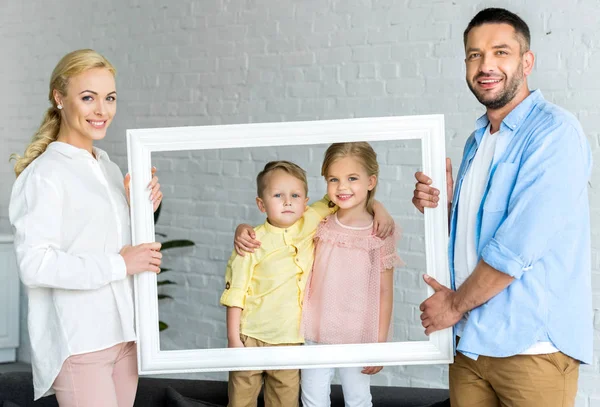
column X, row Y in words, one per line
column 269, row 283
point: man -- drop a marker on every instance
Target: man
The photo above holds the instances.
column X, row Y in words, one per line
column 519, row 246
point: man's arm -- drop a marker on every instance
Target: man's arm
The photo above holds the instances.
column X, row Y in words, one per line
column 483, row 284
column 446, row 307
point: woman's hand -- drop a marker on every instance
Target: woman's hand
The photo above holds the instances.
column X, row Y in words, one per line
column 156, row 194
column 245, row 240
column 143, row 257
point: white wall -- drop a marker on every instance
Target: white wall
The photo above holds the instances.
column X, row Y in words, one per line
column 238, row 61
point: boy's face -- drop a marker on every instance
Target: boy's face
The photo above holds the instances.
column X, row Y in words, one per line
column 283, row 199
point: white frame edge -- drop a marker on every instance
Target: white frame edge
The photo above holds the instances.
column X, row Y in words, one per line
column 142, row 142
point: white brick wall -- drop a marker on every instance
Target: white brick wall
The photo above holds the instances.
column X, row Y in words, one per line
column 238, row 61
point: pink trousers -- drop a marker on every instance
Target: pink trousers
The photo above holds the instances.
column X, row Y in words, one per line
column 106, row 378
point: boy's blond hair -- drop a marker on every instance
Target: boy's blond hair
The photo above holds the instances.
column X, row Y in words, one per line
column 293, row 169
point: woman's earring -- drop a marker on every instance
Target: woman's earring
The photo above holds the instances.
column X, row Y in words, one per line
column 59, row 107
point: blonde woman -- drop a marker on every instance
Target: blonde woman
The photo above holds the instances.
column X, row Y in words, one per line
column 69, row 209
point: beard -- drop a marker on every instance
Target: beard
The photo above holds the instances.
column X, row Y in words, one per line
column 509, row 92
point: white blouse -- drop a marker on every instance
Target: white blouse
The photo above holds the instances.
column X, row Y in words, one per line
column 71, row 219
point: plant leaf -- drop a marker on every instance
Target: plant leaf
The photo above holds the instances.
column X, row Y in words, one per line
column 163, row 296
column 176, row 243
column 165, row 282
column 157, row 213
column 162, row 326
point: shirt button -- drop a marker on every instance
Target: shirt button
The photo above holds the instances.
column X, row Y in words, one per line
column 227, row 285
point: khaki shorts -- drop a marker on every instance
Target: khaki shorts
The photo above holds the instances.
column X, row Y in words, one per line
column 282, row 387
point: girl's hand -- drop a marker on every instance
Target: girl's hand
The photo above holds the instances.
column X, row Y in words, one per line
column 143, row 257
column 383, row 223
column 245, row 240
column 156, row 194
column 371, row 370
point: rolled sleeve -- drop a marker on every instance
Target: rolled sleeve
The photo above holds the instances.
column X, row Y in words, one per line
column 322, row 208
column 551, row 180
column 503, row 259
column 237, row 279
column 233, row 297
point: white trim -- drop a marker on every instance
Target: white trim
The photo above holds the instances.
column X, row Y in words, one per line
column 142, row 142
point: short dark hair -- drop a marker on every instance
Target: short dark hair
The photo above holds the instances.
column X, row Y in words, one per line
column 501, row 16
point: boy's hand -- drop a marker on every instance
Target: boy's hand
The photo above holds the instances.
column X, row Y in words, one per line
column 383, row 223
column 235, row 343
column 244, row 240
column 371, row 370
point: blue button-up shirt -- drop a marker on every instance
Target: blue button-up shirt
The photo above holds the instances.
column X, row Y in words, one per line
column 533, row 224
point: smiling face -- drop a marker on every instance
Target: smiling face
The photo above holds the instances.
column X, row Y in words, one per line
column 88, row 107
column 496, row 66
column 348, row 183
column 283, row 199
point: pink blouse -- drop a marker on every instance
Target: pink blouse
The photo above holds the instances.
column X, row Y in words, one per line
column 341, row 304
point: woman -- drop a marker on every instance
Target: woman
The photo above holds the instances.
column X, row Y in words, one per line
column 69, row 208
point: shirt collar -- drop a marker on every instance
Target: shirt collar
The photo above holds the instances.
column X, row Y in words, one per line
column 513, row 120
column 291, row 229
column 71, row 151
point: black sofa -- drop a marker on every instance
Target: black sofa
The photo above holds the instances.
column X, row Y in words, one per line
column 16, row 390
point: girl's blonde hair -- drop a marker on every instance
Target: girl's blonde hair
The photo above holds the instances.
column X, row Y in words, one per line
column 70, row 65
column 364, row 153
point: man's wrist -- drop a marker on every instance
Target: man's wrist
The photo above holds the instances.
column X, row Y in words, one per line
column 456, row 304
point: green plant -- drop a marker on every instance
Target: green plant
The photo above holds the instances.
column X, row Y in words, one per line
column 167, row 245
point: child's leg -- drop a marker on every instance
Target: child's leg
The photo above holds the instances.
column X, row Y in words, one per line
column 282, row 388
column 244, row 386
column 356, row 387
column 316, row 387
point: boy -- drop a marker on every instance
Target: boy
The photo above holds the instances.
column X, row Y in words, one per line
column 264, row 289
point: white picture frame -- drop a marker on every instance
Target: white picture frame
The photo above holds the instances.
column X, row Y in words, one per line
column 429, row 129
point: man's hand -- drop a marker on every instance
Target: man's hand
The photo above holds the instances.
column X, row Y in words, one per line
column 438, row 311
column 426, row 196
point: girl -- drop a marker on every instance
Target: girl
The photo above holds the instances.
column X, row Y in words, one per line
column 69, row 209
column 350, row 290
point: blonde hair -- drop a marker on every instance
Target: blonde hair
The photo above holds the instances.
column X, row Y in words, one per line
column 293, row 169
column 359, row 150
column 70, row 65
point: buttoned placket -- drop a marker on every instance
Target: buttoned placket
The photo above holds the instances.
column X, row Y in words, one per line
column 98, row 171
column 289, row 242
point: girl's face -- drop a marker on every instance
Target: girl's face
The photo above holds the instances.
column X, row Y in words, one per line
column 88, row 107
column 348, row 183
